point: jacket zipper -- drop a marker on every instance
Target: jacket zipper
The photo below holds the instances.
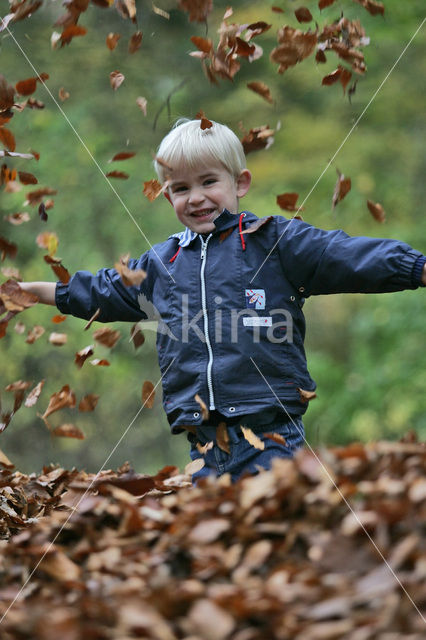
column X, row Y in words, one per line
column 206, row 321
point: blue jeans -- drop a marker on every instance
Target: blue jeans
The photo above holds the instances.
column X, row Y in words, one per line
column 244, row 457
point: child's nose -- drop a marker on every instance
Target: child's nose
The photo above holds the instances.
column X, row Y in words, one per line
column 196, row 195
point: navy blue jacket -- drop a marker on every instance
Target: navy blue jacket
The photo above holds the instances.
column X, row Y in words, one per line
column 232, row 327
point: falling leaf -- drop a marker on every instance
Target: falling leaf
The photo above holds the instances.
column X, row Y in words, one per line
column 34, row 198
column 320, row 57
column 257, row 225
column 59, row 400
column 88, row 402
column 342, row 188
column 203, row 44
column 252, row 438
column 71, row 32
column 198, row 9
column 63, row 94
column 262, row 89
column 42, row 212
column 287, row 202
column 14, row 298
column 376, row 211
column 322, row 4
column 26, row 87
column 194, row 466
column 129, row 277
column 276, row 437
column 137, row 336
column 48, row 240
column 303, row 15
column 26, row 178
column 142, row 104
column 277, row 9
column 148, row 394
column 152, row 189
column 135, row 42
column 112, row 40
column 117, row 174
column 58, row 319
column 107, row 337
column 34, row 394
column 374, row 8
column 7, row 138
column 116, row 78
column 17, row 218
column 306, row 396
column 258, row 138
column 203, row 448
column 204, row 409
column 160, row 12
column 123, row 155
column 58, row 339
column 293, row 47
column 7, row 248
column 92, row 319
column 35, row 333
column 82, row 355
column 98, row 362
column 68, row 431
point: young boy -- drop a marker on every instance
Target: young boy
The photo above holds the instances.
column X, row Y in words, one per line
column 229, row 290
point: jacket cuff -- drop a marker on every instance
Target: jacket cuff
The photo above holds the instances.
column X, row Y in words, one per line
column 416, row 274
column 61, row 297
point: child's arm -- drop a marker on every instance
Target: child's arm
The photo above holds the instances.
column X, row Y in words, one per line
column 45, row 291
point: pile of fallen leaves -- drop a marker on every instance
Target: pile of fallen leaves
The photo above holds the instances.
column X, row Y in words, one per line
column 330, row 545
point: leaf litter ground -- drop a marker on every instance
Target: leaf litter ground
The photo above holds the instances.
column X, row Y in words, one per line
column 274, row 556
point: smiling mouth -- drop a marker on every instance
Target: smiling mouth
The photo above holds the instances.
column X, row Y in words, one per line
column 205, row 213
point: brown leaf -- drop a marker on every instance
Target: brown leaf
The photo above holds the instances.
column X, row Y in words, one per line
column 294, row 46
column 262, row 89
column 97, row 362
column 58, row 319
column 26, row 87
column 123, row 155
column 257, row 225
column 137, row 336
column 258, row 138
column 59, row 400
column 34, row 198
column 92, row 319
column 204, row 409
column 58, row 339
column 142, row 104
column 7, row 94
column 225, row 234
column 194, row 466
column 203, row 44
column 343, row 186
column 198, row 9
column 374, row 8
column 332, row 77
column 17, row 218
column 320, row 57
column 376, row 210
column 303, row 15
column 135, row 42
column 129, row 277
column 48, row 240
column 7, row 138
column 27, row 178
column 148, row 394
column 306, row 396
column 88, row 402
column 63, row 94
column 35, row 333
column 222, row 437
column 58, row 566
column 287, row 202
column 42, row 212
column 5, row 462
column 203, row 448
column 82, row 355
column 152, row 189
column 116, row 78
column 34, row 394
column 71, row 32
column 117, row 174
column 14, row 298
column 107, row 337
column 277, row 9
column 161, row 12
column 112, row 40
column 7, row 248
column 252, row 438
column 322, row 4
column 276, row 437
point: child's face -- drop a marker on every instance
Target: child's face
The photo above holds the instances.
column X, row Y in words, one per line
column 199, row 196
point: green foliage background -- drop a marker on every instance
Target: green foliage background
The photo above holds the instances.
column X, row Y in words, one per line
column 366, row 352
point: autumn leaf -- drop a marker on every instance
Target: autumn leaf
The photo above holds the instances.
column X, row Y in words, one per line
column 82, row 355
column 123, row 155
column 116, row 78
column 252, row 438
column 34, row 198
column 7, row 94
column 88, row 402
column 161, row 12
column 198, row 9
column 99, row 362
column 71, row 32
column 276, row 437
column 257, row 139
column 36, row 332
column 152, row 189
column 148, row 394
column 303, row 15
column 293, row 47
column 58, row 339
column 222, row 437
column 342, row 188
column 137, row 336
column 142, row 104
column 48, row 240
column 135, row 42
column 13, row 298
column 92, row 319
column 68, row 431
column 63, row 398
column 262, row 89
column 129, row 277
column 203, row 44
column 112, row 40
column 376, row 211
column 63, row 94
column 322, row 4
column 7, row 138
column 117, row 174
column 27, row 178
column 204, row 409
column 287, row 202
column 194, row 466
column 26, row 87
column 58, row 319
column 257, row 225
column 203, row 448
column 7, row 248
column 34, row 394
column 306, row 396
column 374, row 8
column 107, row 337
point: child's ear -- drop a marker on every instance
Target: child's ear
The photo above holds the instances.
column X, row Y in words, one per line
column 243, row 183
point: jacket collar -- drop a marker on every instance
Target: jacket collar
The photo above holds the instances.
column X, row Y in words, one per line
column 226, row 220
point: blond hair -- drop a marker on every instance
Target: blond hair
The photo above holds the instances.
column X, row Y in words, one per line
column 188, row 146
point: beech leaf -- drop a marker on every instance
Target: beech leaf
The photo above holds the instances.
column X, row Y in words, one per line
column 148, row 394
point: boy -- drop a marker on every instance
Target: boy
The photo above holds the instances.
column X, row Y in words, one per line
column 229, row 290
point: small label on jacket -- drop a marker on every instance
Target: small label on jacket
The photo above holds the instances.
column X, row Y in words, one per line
column 255, row 298
column 250, row 321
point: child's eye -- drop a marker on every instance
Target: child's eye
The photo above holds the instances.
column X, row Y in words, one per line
column 179, row 189
column 209, row 181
